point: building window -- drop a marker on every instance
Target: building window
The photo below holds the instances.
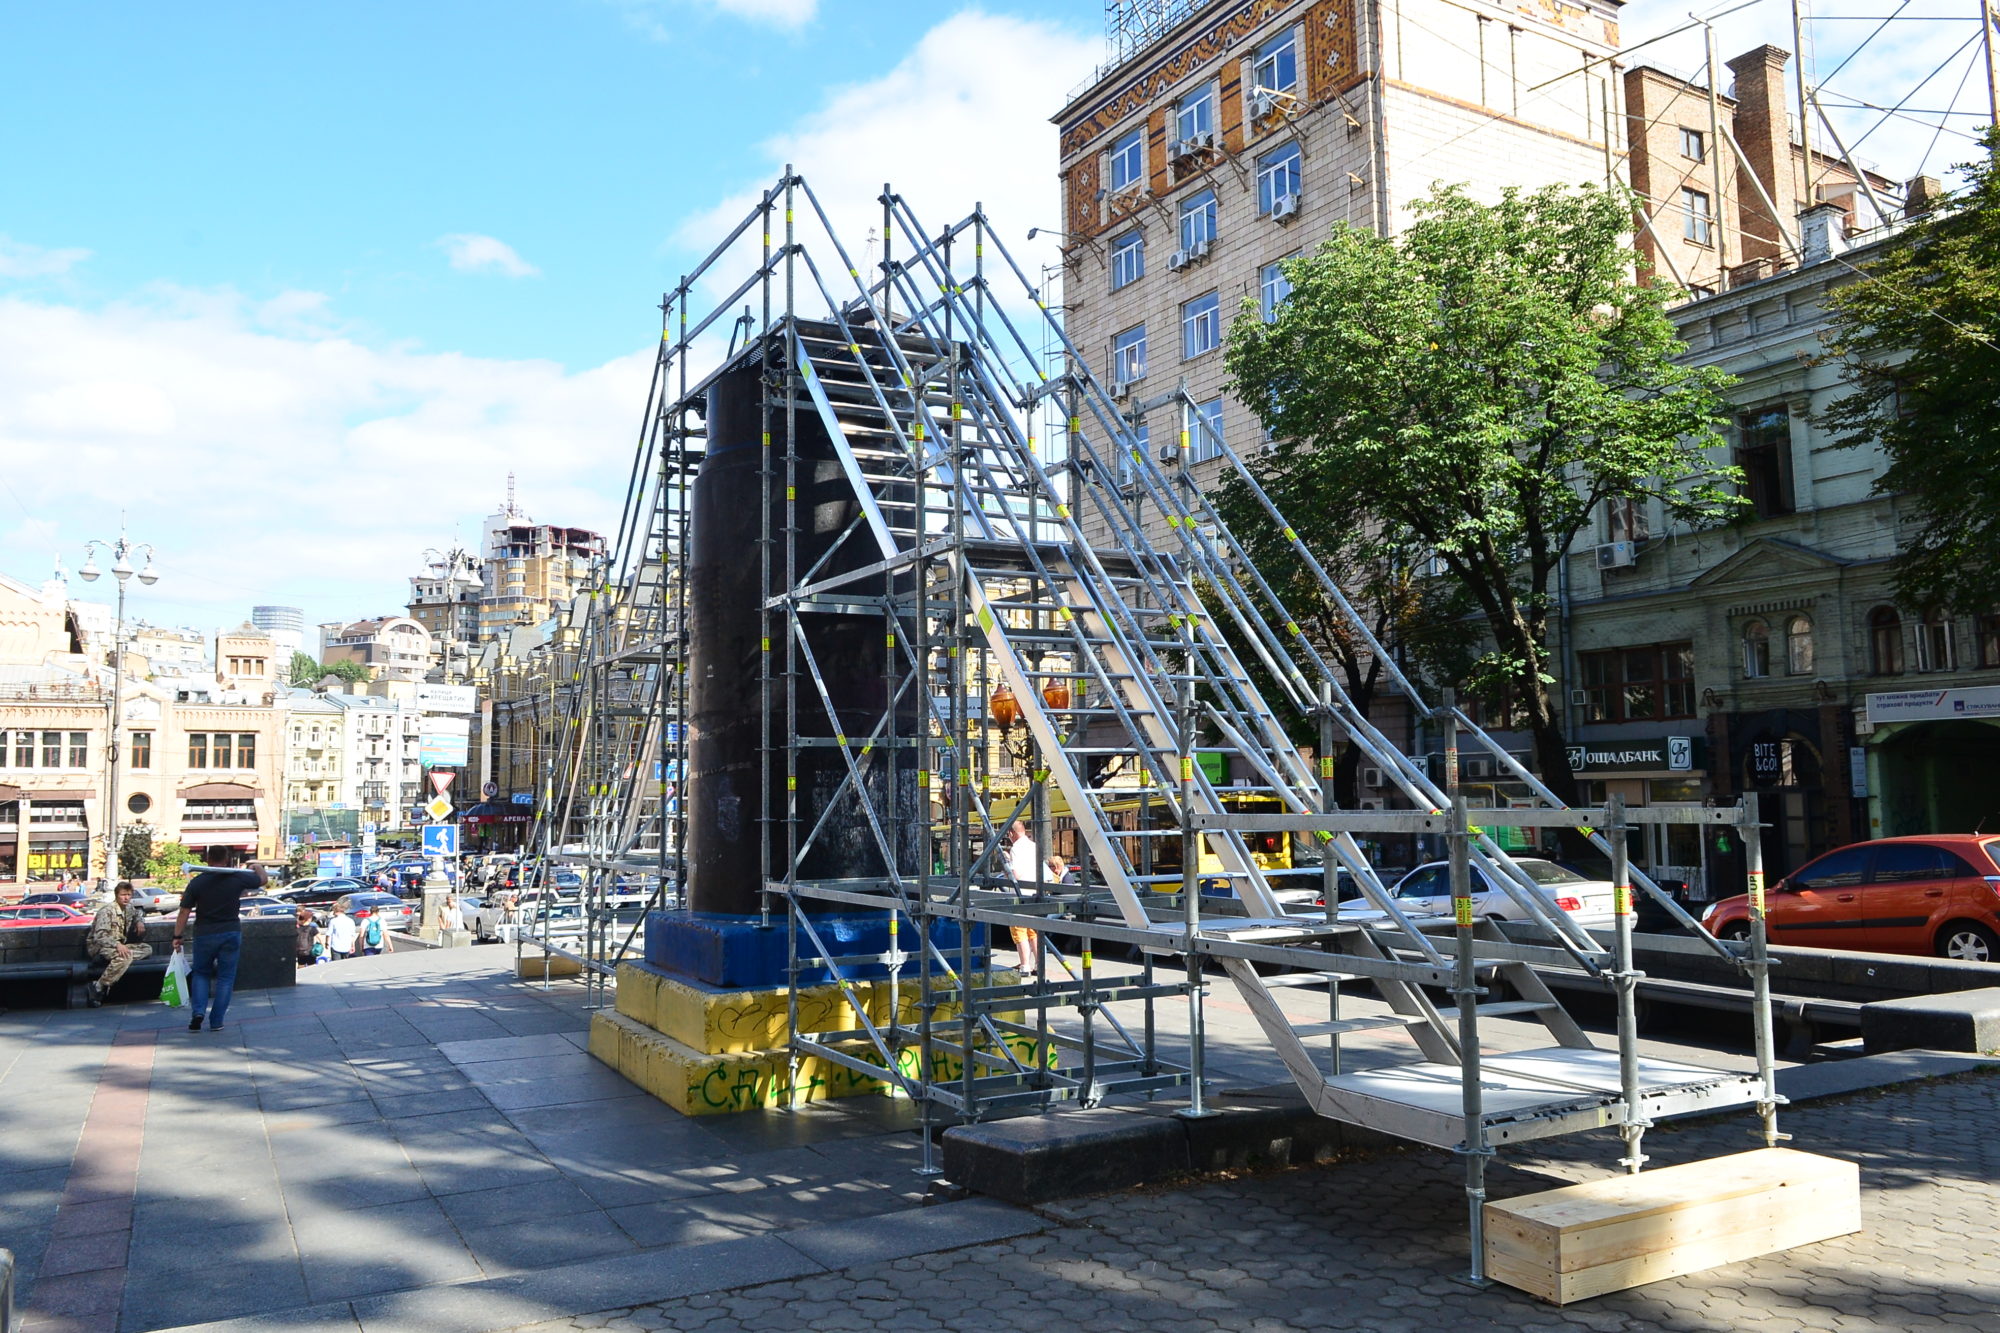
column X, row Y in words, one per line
column 1195, row 113
column 1128, row 160
column 1756, row 650
column 1885, row 642
column 220, row 810
column 1201, row 325
column 1695, row 216
column 24, row 749
column 1128, row 355
column 79, row 749
column 1764, row 452
column 197, row 749
column 52, row 749
column 1798, row 646
column 1694, row 145
column 1272, row 289
column 1989, row 640
column 1205, row 431
column 1128, row 259
column 138, row 803
column 1198, row 219
column 1625, row 520
column 1276, row 68
column 1142, row 440
column 246, row 750
column 1277, row 176
column 1649, row 684
column 1937, row 643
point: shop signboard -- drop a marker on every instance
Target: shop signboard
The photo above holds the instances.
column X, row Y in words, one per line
column 1979, row 701
column 1653, row 754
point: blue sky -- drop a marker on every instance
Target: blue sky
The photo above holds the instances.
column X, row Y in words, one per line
column 296, row 285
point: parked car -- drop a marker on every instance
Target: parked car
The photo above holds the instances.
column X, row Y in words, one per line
column 391, row 911
column 319, row 890
column 1934, row 894
column 153, row 898
column 1426, row 891
column 43, row 914
column 58, row 898
column 264, row 904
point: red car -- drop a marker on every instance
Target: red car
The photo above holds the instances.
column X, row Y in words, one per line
column 43, row 914
column 1934, row 894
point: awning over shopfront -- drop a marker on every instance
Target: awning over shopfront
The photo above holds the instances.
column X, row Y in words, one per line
column 220, row 791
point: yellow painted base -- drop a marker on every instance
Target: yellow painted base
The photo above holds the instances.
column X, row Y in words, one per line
column 533, row 967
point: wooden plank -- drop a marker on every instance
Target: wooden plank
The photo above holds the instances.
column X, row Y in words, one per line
column 1610, row 1234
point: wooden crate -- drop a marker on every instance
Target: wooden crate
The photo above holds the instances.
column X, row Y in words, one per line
column 1606, row 1235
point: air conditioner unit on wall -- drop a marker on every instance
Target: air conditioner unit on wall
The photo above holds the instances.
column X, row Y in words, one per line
column 1285, row 206
column 1178, row 260
column 1478, row 768
column 1371, row 777
column 1121, row 388
column 1199, row 250
column 1262, row 104
column 1614, row 555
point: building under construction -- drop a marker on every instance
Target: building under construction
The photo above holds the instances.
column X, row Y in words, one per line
column 851, row 589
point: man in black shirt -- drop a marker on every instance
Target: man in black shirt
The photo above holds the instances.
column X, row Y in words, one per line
column 215, row 896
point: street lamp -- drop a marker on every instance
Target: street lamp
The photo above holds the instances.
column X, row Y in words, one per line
column 121, row 569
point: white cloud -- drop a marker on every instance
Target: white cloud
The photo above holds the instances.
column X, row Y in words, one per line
column 785, row 13
column 962, row 119
column 654, row 18
column 469, row 252
column 299, row 466
column 18, row 259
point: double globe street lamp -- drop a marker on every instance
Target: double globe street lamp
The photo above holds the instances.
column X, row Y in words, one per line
column 121, row 552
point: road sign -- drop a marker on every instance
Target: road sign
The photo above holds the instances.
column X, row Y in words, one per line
column 439, row 807
column 440, row 840
column 441, row 780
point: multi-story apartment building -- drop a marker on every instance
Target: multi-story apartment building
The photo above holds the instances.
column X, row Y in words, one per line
column 315, row 769
column 198, row 759
column 530, row 569
column 445, row 599
column 1234, row 139
column 381, row 758
column 391, row 647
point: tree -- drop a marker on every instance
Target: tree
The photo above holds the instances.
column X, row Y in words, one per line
column 300, row 862
column 304, row 670
column 347, row 672
column 164, row 866
column 1475, row 388
column 1920, row 337
column 135, row 851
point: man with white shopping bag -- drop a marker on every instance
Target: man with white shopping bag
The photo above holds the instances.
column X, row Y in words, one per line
column 215, row 898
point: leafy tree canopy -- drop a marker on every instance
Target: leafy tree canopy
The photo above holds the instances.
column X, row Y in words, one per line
column 1473, row 388
column 348, row 673
column 1920, row 336
column 164, row 866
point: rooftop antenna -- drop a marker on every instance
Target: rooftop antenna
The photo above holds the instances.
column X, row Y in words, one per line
column 511, row 511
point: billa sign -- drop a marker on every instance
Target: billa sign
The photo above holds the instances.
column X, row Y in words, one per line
column 1657, row 754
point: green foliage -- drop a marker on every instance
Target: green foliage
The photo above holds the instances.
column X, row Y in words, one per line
column 135, row 851
column 1473, row 389
column 163, row 867
column 304, row 670
column 1920, row 338
column 301, row 862
column 348, row 673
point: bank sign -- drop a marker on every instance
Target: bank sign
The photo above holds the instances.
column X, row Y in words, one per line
column 1934, row 705
column 1672, row 754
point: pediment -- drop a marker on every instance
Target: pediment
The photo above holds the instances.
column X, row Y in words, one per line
column 1765, row 562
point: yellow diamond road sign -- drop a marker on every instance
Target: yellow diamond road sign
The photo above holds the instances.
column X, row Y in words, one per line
column 438, row 808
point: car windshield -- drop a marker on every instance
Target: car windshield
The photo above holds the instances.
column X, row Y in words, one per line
column 1548, row 872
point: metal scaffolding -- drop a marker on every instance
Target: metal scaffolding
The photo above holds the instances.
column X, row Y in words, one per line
column 998, row 537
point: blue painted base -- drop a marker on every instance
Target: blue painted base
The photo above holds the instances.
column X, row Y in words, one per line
column 735, row 953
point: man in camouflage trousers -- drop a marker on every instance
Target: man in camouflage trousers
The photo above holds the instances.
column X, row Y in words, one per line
column 118, row 937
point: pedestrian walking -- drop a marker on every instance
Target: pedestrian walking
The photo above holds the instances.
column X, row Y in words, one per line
column 341, row 935
column 368, row 927
column 117, row 939
column 215, row 899
column 1024, row 863
column 308, row 937
column 453, row 917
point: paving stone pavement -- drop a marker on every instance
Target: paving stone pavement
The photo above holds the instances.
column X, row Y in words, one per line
column 1379, row 1244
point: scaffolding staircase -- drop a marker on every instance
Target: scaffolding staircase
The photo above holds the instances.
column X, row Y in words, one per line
column 1023, row 542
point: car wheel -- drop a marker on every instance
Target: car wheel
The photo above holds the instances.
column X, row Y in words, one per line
column 1735, row 931
column 1968, row 941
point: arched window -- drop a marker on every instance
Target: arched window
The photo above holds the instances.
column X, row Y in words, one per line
column 1798, row 646
column 1937, row 646
column 1885, row 641
column 1756, row 650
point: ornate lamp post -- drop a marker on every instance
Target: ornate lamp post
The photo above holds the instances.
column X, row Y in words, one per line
column 121, row 552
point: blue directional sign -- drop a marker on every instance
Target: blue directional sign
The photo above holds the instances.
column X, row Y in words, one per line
column 440, row 840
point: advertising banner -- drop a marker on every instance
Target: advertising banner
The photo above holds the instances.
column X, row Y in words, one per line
column 1934, row 705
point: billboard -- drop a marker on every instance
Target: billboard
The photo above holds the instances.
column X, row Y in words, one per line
column 446, row 742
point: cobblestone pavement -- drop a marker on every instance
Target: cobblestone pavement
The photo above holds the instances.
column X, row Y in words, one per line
column 1379, row 1245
